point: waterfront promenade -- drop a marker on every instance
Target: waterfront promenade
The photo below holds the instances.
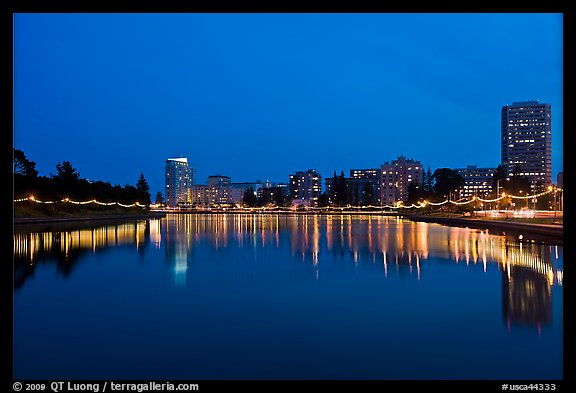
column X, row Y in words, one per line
column 521, row 230
column 527, row 231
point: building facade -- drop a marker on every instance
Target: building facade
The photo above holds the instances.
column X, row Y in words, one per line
column 217, row 181
column 220, row 188
column 179, row 177
column 216, row 193
column 356, row 188
column 527, row 140
column 306, row 187
column 477, row 181
column 358, row 180
column 396, row 178
column 200, row 196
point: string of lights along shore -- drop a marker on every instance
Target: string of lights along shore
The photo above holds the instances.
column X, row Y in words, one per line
column 525, row 170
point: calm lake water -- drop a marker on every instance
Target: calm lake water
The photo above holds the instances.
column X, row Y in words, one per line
column 285, row 297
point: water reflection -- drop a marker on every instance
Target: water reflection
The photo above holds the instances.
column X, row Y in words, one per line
column 526, row 298
column 528, row 270
column 178, row 246
column 66, row 248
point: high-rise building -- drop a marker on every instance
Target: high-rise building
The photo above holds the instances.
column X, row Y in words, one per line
column 359, row 178
column 306, row 187
column 527, row 140
column 396, row 178
column 179, row 177
column 477, row 181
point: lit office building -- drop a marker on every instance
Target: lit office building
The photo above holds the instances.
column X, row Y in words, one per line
column 527, row 140
column 477, row 181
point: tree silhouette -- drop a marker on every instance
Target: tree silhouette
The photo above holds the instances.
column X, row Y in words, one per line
column 517, row 182
column 66, row 172
column 67, row 182
column 339, row 190
column 250, row 198
column 279, row 197
column 446, row 181
column 499, row 176
column 323, row 200
column 159, row 199
column 22, row 165
column 143, row 189
column 428, row 181
column 367, row 194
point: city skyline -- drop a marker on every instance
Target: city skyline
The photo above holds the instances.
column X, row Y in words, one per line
column 323, row 91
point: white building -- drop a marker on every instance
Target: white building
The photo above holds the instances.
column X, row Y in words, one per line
column 396, row 178
column 477, row 181
column 179, row 177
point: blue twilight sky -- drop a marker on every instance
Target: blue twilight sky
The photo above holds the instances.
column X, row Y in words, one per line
column 260, row 96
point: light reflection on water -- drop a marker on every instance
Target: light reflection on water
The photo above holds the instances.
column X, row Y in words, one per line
column 384, row 240
column 388, row 247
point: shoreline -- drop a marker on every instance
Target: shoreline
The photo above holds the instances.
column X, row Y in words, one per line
column 544, row 233
column 65, row 219
column 549, row 233
column 304, row 212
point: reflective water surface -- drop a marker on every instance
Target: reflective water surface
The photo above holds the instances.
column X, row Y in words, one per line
column 233, row 296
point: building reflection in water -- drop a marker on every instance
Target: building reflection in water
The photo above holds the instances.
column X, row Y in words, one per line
column 526, row 298
column 178, row 245
column 529, row 270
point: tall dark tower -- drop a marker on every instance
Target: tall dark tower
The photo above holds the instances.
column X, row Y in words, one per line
column 527, row 140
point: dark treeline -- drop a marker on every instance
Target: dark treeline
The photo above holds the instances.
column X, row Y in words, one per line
column 67, row 183
column 271, row 196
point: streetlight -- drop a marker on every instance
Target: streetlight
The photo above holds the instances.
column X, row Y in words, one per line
column 527, row 197
column 498, row 194
column 534, row 197
column 550, row 188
